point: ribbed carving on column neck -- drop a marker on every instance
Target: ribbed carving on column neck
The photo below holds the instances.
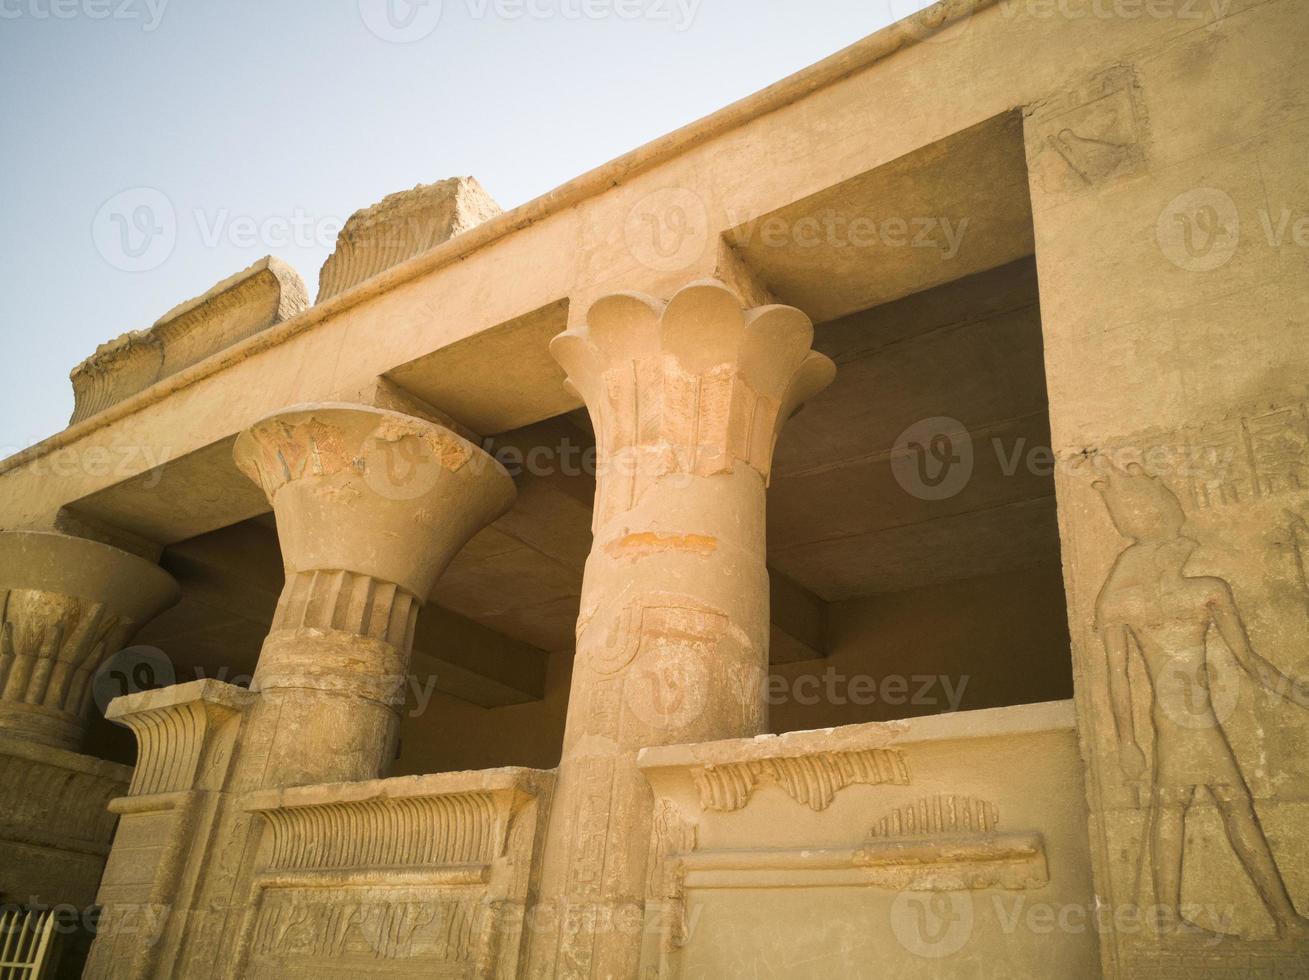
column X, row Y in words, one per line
column 344, row 601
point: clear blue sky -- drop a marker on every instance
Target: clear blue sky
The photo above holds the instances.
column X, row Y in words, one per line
column 264, row 123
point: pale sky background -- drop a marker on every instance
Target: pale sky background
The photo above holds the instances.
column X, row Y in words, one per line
column 292, row 114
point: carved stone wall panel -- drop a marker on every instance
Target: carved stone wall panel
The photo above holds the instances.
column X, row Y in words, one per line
column 422, row 875
column 977, row 819
column 1091, row 134
column 186, row 736
column 1194, row 683
column 369, row 931
column 55, row 824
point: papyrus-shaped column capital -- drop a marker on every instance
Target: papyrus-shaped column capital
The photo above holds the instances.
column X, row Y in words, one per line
column 372, row 492
column 697, row 385
column 66, row 604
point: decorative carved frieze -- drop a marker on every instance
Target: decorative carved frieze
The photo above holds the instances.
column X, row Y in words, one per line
column 179, row 745
column 410, row 832
column 941, row 814
column 398, row 875
column 255, row 299
column 813, row 780
column 401, row 226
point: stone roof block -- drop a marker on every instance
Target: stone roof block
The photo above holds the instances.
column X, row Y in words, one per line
column 255, row 299
column 401, row 226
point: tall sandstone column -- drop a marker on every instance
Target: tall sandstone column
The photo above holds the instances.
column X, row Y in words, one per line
column 687, row 399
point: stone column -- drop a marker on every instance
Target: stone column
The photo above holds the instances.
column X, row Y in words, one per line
column 66, row 604
column 371, row 506
column 687, row 399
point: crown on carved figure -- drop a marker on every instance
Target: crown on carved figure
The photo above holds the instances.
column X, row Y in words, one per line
column 1140, row 505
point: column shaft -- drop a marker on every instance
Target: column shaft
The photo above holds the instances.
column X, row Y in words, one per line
column 672, row 640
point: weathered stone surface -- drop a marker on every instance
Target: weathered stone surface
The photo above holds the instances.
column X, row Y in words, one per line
column 757, row 843
column 687, row 398
column 371, row 507
column 66, row 604
column 1050, row 246
column 268, row 292
column 401, row 226
column 55, row 825
column 436, row 871
column 186, row 738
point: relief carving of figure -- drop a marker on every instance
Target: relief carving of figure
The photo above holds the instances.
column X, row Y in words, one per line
column 1149, row 604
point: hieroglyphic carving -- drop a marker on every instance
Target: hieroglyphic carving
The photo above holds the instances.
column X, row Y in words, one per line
column 1151, row 606
column 941, row 814
column 394, row 877
column 654, row 616
column 671, row 837
column 1092, row 134
column 299, row 928
column 1257, row 455
column 813, row 780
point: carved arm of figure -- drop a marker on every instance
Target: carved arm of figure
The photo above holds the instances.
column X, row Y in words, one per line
column 1130, row 757
column 1227, row 617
